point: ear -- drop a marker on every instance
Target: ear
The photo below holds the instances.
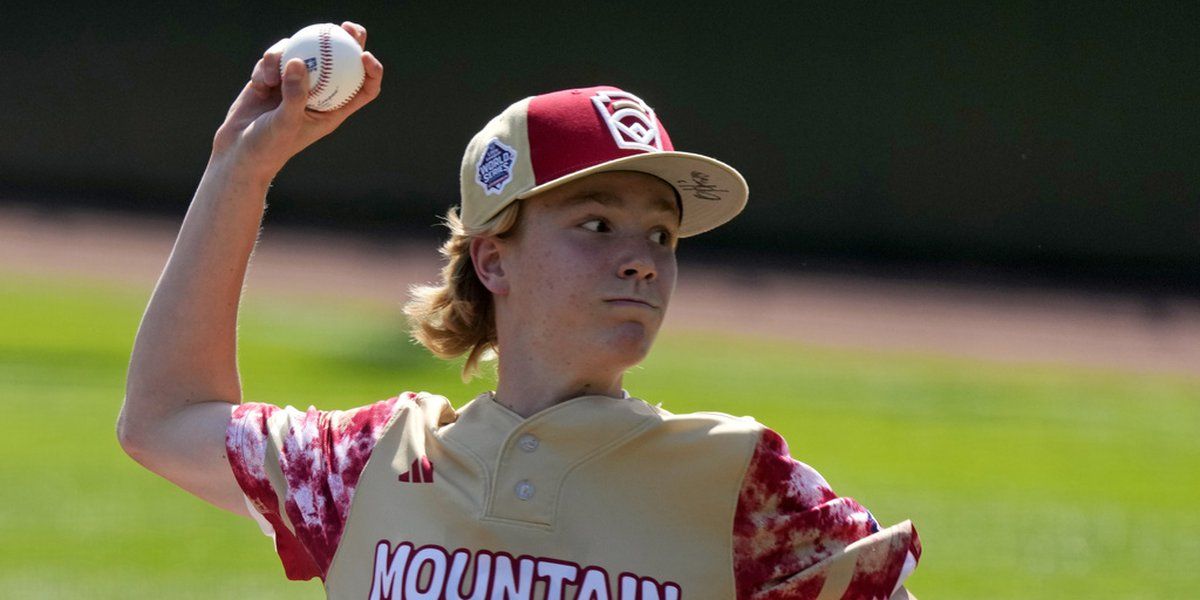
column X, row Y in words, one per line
column 487, row 258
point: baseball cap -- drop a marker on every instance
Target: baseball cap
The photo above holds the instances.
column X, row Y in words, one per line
column 542, row 142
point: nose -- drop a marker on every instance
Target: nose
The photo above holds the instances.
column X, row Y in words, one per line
column 637, row 266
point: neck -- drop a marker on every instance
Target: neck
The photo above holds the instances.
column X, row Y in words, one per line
column 527, row 388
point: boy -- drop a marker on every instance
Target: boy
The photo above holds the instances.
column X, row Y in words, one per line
column 560, row 265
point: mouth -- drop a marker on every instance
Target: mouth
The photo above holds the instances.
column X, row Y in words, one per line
column 630, row 302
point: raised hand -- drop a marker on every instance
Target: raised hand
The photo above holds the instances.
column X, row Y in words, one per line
column 268, row 123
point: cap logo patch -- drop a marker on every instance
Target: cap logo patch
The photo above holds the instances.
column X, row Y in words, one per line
column 630, row 120
column 495, row 167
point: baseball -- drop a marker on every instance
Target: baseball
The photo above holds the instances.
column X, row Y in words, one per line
column 334, row 61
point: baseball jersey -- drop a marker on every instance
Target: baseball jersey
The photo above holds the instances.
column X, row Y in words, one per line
column 595, row 498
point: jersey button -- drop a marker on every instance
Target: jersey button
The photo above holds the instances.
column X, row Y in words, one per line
column 528, row 442
column 524, row 489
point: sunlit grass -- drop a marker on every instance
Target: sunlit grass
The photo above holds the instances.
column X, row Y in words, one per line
column 1024, row 481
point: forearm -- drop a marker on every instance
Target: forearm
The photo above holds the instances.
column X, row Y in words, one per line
column 186, row 347
column 183, row 379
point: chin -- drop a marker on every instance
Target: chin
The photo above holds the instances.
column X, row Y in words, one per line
column 630, row 342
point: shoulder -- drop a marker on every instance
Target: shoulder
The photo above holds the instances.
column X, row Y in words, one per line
column 299, row 469
column 708, row 427
column 769, row 468
column 712, row 421
column 768, row 456
column 370, row 419
column 792, row 533
column 727, row 442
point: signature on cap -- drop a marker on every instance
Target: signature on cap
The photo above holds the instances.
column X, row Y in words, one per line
column 701, row 188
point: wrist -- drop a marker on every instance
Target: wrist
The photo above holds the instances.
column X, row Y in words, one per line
column 241, row 170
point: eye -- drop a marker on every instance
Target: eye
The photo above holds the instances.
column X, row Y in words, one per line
column 661, row 236
column 597, row 225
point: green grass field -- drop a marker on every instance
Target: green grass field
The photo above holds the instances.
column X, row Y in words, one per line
column 1024, row 481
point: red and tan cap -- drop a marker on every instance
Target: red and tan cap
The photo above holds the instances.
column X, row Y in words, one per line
column 545, row 141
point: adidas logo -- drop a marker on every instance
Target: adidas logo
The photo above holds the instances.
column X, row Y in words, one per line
column 421, row 471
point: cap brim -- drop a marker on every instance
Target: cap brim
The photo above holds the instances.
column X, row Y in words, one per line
column 711, row 191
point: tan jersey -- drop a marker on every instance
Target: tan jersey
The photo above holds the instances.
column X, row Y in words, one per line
column 594, row 498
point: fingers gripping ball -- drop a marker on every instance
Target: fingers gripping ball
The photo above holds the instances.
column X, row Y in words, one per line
column 334, row 62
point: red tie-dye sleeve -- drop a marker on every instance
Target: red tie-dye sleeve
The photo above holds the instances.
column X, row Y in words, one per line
column 299, row 470
column 794, row 539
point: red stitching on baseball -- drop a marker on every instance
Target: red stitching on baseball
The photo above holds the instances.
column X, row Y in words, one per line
column 325, row 65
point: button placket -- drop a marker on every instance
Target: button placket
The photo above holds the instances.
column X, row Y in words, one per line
column 528, row 442
column 524, row 489
column 528, row 480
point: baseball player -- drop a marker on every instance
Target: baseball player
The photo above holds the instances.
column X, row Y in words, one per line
column 556, row 485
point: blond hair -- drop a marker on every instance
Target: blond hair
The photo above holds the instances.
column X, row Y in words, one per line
column 457, row 315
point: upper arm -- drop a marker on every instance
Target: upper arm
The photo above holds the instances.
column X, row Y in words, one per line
column 188, row 448
column 794, row 537
column 298, row 469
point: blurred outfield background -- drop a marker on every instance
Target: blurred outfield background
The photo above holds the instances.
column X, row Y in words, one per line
column 1058, row 139
column 966, row 287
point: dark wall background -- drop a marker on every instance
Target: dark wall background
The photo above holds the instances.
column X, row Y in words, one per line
column 1019, row 135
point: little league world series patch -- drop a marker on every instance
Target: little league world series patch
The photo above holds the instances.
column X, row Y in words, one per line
column 495, row 167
